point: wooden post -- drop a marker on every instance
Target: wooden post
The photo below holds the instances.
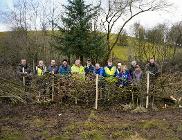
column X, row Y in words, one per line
column 97, row 91
column 53, row 85
column 23, row 70
column 33, row 67
column 148, row 84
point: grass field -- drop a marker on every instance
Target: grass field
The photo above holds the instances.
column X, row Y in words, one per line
column 121, row 52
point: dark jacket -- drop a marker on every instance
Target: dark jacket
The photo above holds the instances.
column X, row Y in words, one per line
column 153, row 68
column 64, row 70
column 27, row 74
column 131, row 71
column 53, row 68
column 89, row 69
column 19, row 70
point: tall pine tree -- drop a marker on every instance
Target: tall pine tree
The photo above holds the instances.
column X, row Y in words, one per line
column 74, row 37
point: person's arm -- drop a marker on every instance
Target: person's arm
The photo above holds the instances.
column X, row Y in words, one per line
column 45, row 69
column 35, row 72
column 157, row 69
column 147, row 67
column 60, row 71
column 116, row 73
column 83, row 71
column 101, row 73
column 69, row 70
column 29, row 71
column 129, row 77
column 56, row 70
column 19, row 71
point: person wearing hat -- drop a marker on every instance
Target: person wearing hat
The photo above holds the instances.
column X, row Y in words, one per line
column 89, row 68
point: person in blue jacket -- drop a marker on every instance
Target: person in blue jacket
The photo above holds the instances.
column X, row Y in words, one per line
column 64, row 69
column 98, row 70
column 124, row 77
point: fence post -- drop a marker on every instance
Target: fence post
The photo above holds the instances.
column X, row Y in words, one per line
column 23, row 70
column 148, row 85
column 97, row 91
column 53, row 85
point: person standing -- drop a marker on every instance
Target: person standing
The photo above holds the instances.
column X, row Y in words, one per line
column 53, row 68
column 98, row 70
column 89, row 68
column 152, row 67
column 64, row 69
column 78, row 70
column 24, row 72
column 124, row 77
column 137, row 75
column 132, row 68
column 40, row 69
column 110, row 70
column 119, row 67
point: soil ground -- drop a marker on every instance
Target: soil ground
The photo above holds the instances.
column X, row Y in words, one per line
column 70, row 122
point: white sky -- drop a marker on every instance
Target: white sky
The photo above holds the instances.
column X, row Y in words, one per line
column 148, row 20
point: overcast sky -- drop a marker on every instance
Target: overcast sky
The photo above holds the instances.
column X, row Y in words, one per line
column 149, row 19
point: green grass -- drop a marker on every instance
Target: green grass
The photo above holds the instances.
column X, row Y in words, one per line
column 121, row 53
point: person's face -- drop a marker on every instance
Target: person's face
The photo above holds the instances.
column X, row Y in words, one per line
column 97, row 66
column 77, row 62
column 119, row 66
column 65, row 63
column 152, row 61
column 23, row 62
column 109, row 63
column 134, row 64
column 41, row 63
column 53, row 62
column 137, row 69
column 88, row 63
column 124, row 68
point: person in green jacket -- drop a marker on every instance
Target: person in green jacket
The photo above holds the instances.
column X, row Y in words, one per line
column 77, row 69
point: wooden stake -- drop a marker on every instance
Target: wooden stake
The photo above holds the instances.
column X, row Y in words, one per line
column 53, row 85
column 148, row 84
column 23, row 70
column 97, row 91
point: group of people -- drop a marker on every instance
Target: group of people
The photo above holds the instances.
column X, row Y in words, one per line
column 122, row 73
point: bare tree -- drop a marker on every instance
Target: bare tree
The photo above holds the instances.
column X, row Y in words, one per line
column 175, row 37
column 124, row 11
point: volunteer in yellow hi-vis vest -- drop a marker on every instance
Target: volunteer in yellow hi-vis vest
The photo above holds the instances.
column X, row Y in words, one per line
column 110, row 72
column 40, row 69
column 77, row 70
